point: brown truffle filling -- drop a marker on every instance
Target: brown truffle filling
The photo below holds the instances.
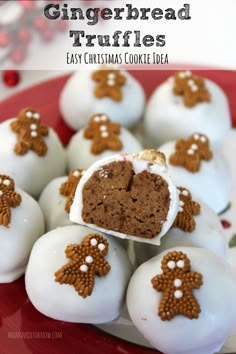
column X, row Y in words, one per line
column 115, row 198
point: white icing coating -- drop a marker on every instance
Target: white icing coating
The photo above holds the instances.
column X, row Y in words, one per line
column 167, row 118
column 30, row 171
column 50, row 297
column 178, row 336
column 85, row 158
column 52, row 203
column 78, row 102
column 138, row 166
column 17, row 240
column 209, row 233
column 212, row 183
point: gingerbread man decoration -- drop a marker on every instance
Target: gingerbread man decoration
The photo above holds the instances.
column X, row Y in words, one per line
column 68, row 188
column 188, row 208
column 176, row 283
column 191, row 87
column 109, row 83
column 30, row 133
column 103, row 134
column 190, row 152
column 8, row 199
column 87, row 260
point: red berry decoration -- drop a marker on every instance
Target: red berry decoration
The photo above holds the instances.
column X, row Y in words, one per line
column 226, row 224
column 11, row 78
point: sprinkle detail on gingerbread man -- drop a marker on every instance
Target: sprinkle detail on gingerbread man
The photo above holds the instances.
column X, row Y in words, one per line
column 8, row 199
column 176, row 284
column 109, row 83
column 189, row 153
column 103, row 133
column 87, row 260
column 191, row 87
column 188, row 208
column 68, row 188
column 30, row 133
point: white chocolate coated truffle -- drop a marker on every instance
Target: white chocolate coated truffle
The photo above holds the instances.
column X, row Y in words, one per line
column 17, row 240
column 167, row 118
column 212, row 183
column 180, row 335
column 52, row 203
column 78, row 102
column 61, row 301
column 30, row 171
column 79, row 149
column 140, row 165
column 208, row 233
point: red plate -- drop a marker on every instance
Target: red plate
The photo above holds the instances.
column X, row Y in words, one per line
column 22, row 328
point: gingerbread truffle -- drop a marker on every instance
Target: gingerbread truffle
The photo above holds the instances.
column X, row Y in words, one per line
column 127, row 195
column 21, row 224
column 186, row 103
column 83, row 276
column 101, row 138
column 193, row 163
column 180, row 301
column 102, row 89
column 28, row 151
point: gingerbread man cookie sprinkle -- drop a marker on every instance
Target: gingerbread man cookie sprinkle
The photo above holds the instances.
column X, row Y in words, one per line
column 191, row 87
column 109, row 83
column 30, row 133
column 190, row 152
column 187, row 210
column 68, row 188
column 87, row 260
column 8, row 199
column 177, row 283
column 104, row 134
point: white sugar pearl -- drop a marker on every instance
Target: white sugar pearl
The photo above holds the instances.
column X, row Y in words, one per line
column 1, row 193
column 83, row 268
column 196, row 136
column 36, row 115
column 34, row 134
column 33, row 126
column 104, row 134
column 178, row 294
column 96, row 119
column 180, row 264
column 0, row 180
column 185, row 193
column 76, row 173
column 180, row 209
column 104, row 118
column 194, row 147
column 177, row 283
column 101, row 246
column 111, row 76
column 89, row 259
column 182, row 75
column 103, row 128
column 93, row 242
column 181, row 203
column 6, row 182
column 110, row 82
column 188, row 73
column 171, row 264
column 203, row 139
column 194, row 88
column 190, row 152
column 29, row 114
column 191, row 83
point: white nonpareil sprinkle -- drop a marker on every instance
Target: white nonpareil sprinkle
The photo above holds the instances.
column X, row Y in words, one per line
column 178, row 294
column 110, row 82
column 180, row 264
column 101, row 246
column 171, row 264
column 33, row 126
column 111, row 76
column 194, row 88
column 191, row 83
column 89, row 259
column 185, row 192
column 103, row 128
column 6, row 182
column 194, row 147
column 104, row 134
column 83, row 268
column 96, row 119
column 1, row 193
column 196, row 136
column 177, row 283
column 36, row 115
column 34, row 134
column 203, row 139
column 93, row 242
column 181, row 203
column 190, row 152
